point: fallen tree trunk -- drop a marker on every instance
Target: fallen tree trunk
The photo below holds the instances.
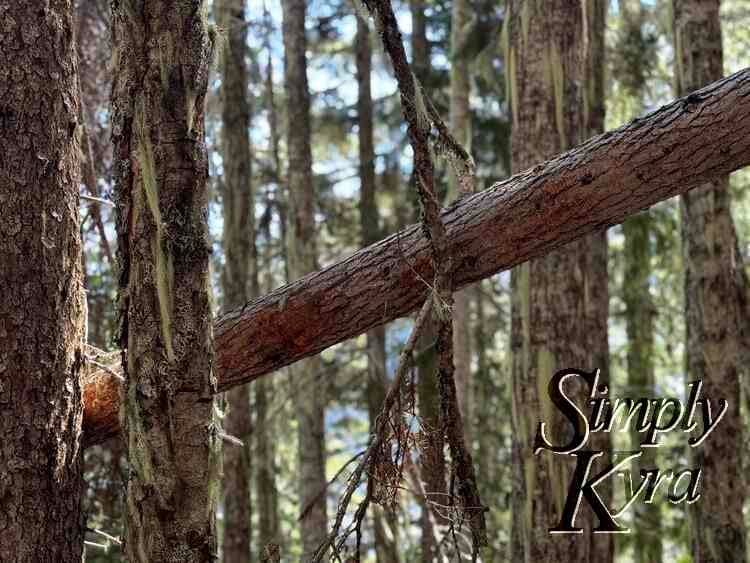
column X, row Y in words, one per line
column 591, row 187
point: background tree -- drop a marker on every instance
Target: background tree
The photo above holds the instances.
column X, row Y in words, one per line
column 239, row 276
column 302, row 258
column 377, row 358
column 42, row 311
column 716, row 310
column 546, row 71
column 640, row 309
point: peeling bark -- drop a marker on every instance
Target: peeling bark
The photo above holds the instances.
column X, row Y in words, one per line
column 42, row 307
column 584, row 190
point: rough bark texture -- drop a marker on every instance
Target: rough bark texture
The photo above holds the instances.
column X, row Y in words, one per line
column 460, row 125
column 377, row 380
column 546, row 55
column 163, row 50
column 239, row 277
column 602, row 546
column 309, row 396
column 42, row 308
column 587, row 189
column 714, row 308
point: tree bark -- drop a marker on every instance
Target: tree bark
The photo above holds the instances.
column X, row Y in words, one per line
column 547, row 76
column 163, row 54
column 267, row 492
column 377, row 380
column 587, row 189
column 460, row 124
column 714, row 308
column 602, row 547
column 239, row 277
column 310, row 397
column 42, row 308
column 432, row 454
column 639, row 304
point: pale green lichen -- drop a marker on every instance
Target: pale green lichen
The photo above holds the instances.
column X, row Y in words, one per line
column 420, row 105
column 557, row 72
column 525, row 17
column 163, row 262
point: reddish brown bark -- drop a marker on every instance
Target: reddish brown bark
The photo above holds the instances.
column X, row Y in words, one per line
column 584, row 190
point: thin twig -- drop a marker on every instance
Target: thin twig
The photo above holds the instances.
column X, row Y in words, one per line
column 419, row 115
column 100, row 200
column 101, row 366
column 404, row 365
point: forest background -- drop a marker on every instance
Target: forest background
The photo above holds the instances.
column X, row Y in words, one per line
column 646, row 262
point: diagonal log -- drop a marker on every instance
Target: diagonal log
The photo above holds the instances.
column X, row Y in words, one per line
column 593, row 186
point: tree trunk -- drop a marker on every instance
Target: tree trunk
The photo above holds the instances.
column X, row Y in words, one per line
column 42, row 308
column 432, row 455
column 584, row 190
column 639, row 306
column 265, row 471
column 602, row 548
column 546, row 66
column 714, row 308
column 164, row 50
column 309, row 395
column 239, row 277
column 460, row 124
column 377, row 379
column 267, row 492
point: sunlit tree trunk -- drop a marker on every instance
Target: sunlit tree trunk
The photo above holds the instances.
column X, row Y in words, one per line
column 164, row 49
column 265, row 442
column 42, row 307
column 239, row 277
column 714, row 308
column 309, row 394
column 546, row 73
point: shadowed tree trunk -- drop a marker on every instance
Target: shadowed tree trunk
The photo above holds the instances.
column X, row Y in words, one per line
column 267, row 493
column 715, row 314
column 377, row 380
column 239, row 277
column 639, row 304
column 546, row 67
column 460, row 125
column 596, row 255
column 309, row 395
column 164, row 49
column 432, row 456
column 42, row 308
